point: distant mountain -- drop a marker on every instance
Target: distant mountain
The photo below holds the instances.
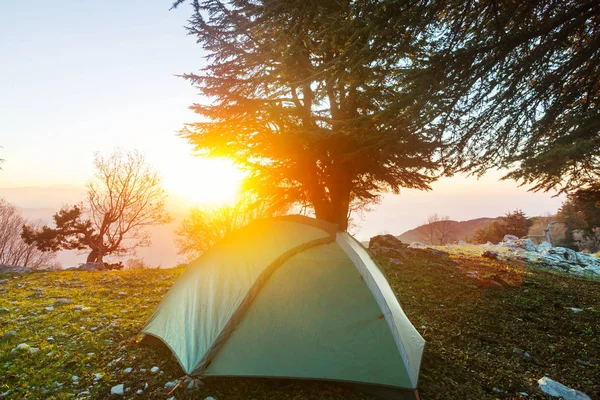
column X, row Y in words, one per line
column 462, row 230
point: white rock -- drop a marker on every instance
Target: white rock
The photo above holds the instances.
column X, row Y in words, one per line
column 33, row 350
column 3, row 310
column 127, row 370
column 172, row 384
column 78, row 307
column 49, row 308
column 74, row 378
column 63, row 301
column 22, row 347
column 140, row 391
column 50, row 339
column 574, row 309
column 98, row 376
column 556, row 389
column 9, row 334
column 509, row 238
column 209, row 398
column 154, row 370
column 118, row 390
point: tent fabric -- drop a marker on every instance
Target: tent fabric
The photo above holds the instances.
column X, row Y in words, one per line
column 290, row 298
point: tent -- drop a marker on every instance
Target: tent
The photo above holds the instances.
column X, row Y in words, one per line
column 289, row 297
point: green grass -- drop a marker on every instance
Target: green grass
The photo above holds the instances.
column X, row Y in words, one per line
column 471, row 328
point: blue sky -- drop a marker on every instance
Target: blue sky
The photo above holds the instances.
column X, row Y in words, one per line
column 83, row 76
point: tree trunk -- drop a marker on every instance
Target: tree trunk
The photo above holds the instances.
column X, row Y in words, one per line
column 94, row 256
column 335, row 210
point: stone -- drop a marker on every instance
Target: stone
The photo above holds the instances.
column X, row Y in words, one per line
column 3, row 281
column 98, row 376
column 463, row 243
column 50, row 308
column 78, row 307
column 171, row 384
column 63, row 301
column 209, row 398
column 74, row 378
column 509, row 238
column 191, row 383
column 50, row 339
column 94, row 266
column 4, row 310
column 8, row 335
column 543, row 247
column 574, row 309
column 33, row 350
column 139, row 391
column 154, row 370
column 118, row 390
column 491, row 254
column 22, row 347
column 127, row 370
column 556, row 389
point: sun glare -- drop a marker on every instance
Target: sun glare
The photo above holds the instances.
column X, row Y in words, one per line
column 205, row 181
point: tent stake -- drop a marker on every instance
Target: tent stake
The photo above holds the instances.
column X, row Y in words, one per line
column 417, row 397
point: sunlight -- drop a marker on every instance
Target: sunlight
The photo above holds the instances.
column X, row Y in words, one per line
column 204, row 181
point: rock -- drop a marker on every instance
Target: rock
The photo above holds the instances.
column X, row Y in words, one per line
column 98, row 376
column 94, row 266
column 524, row 394
column 118, row 390
column 121, row 294
column 13, row 269
column 509, row 238
column 50, row 308
column 209, row 398
column 463, row 243
column 74, row 378
column 4, row 310
column 33, row 350
column 3, row 281
column 63, row 301
column 172, row 384
column 77, row 307
column 140, row 391
column 154, row 370
column 50, row 339
column 491, row 254
column 8, row 335
column 127, row 370
column 574, row 309
column 22, row 347
column 543, row 247
column 556, row 389
column 191, row 383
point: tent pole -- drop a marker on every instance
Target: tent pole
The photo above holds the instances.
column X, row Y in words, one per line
column 417, row 397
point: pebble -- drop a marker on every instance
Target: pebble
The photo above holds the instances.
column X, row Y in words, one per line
column 574, row 309
column 77, row 307
column 50, row 339
column 127, row 370
column 171, row 384
column 118, row 390
column 49, row 308
column 63, row 301
column 154, row 370
column 140, row 391
column 98, row 376
column 22, row 346
column 3, row 310
column 9, row 334
column 74, row 378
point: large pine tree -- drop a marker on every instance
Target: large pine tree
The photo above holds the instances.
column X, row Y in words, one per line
column 311, row 98
column 517, row 85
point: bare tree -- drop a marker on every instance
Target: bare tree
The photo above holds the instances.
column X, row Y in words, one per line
column 124, row 197
column 13, row 250
column 207, row 225
column 437, row 230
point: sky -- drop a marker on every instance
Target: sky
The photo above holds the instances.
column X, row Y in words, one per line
column 82, row 76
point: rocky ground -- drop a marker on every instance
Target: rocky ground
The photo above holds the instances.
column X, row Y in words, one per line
column 494, row 328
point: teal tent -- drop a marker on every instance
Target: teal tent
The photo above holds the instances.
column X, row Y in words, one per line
column 289, row 297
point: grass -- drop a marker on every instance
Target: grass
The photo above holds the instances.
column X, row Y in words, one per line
column 477, row 333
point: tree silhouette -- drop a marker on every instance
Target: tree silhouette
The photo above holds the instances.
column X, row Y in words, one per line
column 123, row 198
column 312, row 100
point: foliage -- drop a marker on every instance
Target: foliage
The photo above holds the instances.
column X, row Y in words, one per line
column 437, row 230
column 13, row 250
column 124, row 197
column 517, row 85
column 310, row 97
column 581, row 215
column 207, row 225
column 513, row 223
column 136, row 263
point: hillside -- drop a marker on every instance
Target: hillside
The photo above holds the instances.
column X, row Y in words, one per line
column 489, row 338
column 462, row 229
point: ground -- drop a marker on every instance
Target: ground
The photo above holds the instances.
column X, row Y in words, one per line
column 490, row 335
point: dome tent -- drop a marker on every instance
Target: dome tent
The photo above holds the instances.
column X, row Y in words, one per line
column 289, row 297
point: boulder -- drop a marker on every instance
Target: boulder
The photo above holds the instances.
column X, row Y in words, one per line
column 93, row 266
column 556, row 389
column 13, row 269
column 509, row 238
